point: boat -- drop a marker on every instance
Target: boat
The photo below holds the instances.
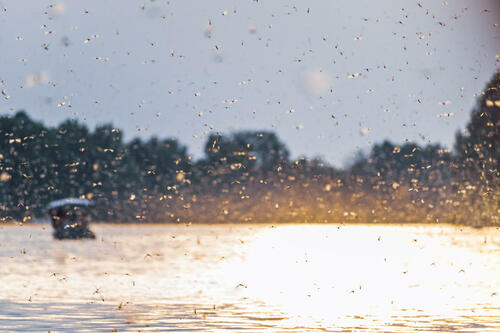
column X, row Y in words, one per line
column 69, row 218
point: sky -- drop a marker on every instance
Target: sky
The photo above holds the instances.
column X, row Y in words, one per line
column 331, row 78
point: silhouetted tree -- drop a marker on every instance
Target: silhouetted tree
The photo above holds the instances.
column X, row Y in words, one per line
column 477, row 167
column 24, row 165
column 248, row 176
column 478, row 149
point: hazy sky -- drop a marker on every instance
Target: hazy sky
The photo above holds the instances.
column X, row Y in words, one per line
column 330, row 77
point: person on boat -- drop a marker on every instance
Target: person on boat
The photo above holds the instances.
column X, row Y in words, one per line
column 69, row 218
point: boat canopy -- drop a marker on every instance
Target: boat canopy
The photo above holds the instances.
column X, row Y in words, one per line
column 69, row 202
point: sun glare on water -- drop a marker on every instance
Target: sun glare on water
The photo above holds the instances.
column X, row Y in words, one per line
column 338, row 276
column 390, row 278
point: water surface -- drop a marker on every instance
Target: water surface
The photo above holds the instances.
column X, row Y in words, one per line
column 286, row 278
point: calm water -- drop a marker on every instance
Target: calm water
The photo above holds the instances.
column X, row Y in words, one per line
column 286, row 278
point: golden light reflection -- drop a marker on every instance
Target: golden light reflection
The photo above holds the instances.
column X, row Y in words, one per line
column 337, row 274
column 257, row 277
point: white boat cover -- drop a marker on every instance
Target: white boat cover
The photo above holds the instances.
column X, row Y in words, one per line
column 69, row 201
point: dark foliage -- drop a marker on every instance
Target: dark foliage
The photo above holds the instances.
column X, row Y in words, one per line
column 248, row 176
column 477, row 166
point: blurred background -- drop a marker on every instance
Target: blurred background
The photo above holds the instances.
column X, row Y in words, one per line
column 309, row 165
column 253, row 111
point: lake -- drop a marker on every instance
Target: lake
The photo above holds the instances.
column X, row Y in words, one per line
column 255, row 278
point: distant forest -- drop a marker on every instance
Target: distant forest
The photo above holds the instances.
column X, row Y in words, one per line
column 248, row 176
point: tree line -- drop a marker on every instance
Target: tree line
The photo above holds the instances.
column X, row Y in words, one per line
column 248, row 176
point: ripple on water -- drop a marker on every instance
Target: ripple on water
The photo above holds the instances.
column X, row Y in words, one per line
column 296, row 278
